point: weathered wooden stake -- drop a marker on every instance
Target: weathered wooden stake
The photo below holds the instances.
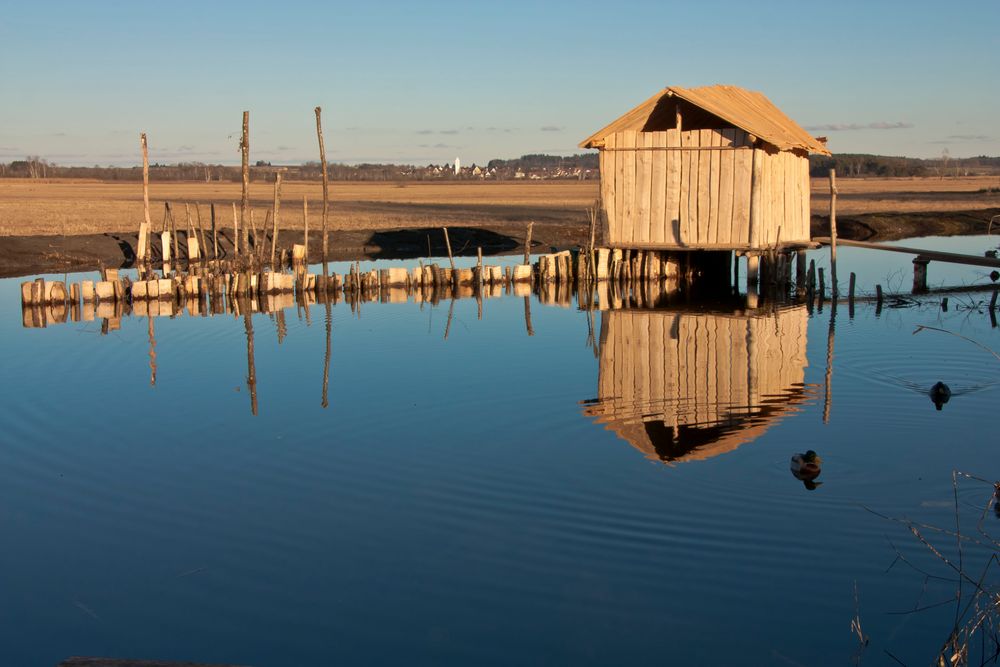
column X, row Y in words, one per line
column 305, row 224
column 236, row 232
column 800, row 271
column 479, row 269
column 527, row 245
column 833, row 233
column 447, row 244
column 245, row 202
column 215, row 235
column 277, row 206
column 920, row 274
column 993, row 300
column 850, row 290
column 326, row 182
column 878, row 299
column 142, row 252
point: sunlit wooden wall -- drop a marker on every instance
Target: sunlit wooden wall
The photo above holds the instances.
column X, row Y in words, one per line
column 701, row 189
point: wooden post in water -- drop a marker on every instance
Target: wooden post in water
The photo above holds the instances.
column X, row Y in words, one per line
column 527, row 245
column 822, row 286
column 800, row 272
column 527, row 316
column 277, row 206
column 833, row 234
column 451, row 260
column 850, row 296
column 215, row 235
column 993, row 300
column 236, row 232
column 326, row 183
column 920, row 274
column 202, row 241
column 145, row 228
column 305, row 224
column 753, row 269
column 878, row 299
column 245, row 205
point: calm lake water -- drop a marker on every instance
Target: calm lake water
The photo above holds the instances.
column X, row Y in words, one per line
column 492, row 497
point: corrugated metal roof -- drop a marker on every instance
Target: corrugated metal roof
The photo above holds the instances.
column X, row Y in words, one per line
column 746, row 109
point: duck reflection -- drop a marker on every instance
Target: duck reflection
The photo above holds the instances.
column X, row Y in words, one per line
column 685, row 385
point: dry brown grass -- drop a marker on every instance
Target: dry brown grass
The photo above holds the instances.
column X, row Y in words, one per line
column 85, row 207
column 29, row 207
column 907, row 195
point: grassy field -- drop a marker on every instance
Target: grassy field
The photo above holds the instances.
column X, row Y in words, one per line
column 39, row 207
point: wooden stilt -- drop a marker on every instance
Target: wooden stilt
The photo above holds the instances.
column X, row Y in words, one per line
column 920, row 275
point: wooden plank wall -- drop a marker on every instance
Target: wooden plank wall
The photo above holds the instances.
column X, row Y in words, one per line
column 656, row 196
column 696, row 369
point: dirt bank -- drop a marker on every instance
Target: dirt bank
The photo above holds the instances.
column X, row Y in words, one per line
column 27, row 255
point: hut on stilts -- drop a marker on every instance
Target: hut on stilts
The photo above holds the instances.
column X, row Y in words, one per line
column 716, row 169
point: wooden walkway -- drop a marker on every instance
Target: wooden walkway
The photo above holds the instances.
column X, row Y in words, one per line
column 927, row 255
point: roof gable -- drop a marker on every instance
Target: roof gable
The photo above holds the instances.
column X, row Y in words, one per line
column 748, row 110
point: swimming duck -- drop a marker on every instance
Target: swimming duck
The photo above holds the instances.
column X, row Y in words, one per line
column 806, row 466
column 940, row 393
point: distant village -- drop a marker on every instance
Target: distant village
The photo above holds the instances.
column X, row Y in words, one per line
column 535, row 167
column 527, row 168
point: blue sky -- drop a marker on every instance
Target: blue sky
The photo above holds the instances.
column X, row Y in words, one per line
column 421, row 82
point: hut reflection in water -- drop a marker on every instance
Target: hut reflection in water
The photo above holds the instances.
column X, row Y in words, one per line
column 686, row 386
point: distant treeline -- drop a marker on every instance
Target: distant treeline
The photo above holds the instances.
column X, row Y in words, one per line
column 851, row 164
column 534, row 166
column 528, row 166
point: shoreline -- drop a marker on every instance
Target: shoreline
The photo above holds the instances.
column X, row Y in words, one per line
column 36, row 254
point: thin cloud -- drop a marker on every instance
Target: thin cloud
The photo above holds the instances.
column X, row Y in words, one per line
column 970, row 137
column 551, row 128
column 425, row 131
column 842, row 127
column 449, row 131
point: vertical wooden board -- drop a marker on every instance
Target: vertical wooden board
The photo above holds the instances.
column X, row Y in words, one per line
column 640, row 324
column 657, row 343
column 806, row 197
column 758, row 199
column 658, row 188
column 714, row 188
column 671, row 226
column 702, row 340
column 689, row 189
column 607, row 183
column 792, row 208
column 628, row 360
column 643, row 185
column 605, row 367
column 628, row 142
column 704, row 186
column 614, row 208
column 727, row 162
column 711, row 342
column 780, row 231
column 742, row 167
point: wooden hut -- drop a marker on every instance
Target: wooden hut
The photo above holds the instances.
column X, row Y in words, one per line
column 711, row 168
column 683, row 386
